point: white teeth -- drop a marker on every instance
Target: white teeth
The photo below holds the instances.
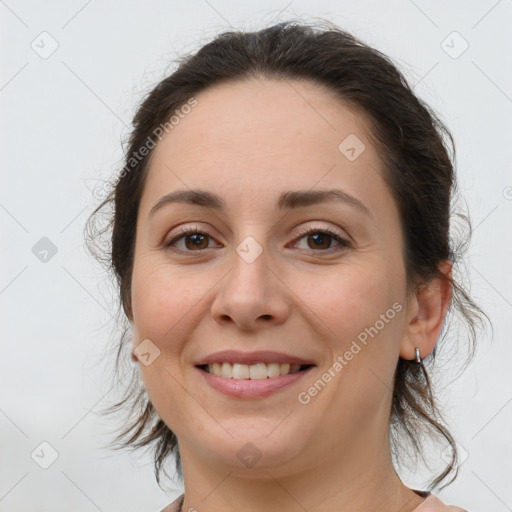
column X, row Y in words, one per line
column 226, row 370
column 257, row 371
column 240, row 371
column 273, row 369
column 254, row 371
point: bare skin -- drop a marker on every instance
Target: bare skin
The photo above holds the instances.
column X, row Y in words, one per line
column 248, row 142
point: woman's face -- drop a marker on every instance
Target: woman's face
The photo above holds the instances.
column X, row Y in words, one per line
column 262, row 274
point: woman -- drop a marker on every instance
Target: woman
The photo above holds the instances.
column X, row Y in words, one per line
column 280, row 238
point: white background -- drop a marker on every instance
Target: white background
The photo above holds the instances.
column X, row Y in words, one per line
column 62, row 122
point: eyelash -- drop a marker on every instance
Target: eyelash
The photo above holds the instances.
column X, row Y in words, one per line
column 343, row 242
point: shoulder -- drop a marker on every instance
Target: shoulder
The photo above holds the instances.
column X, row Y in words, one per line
column 434, row 504
column 431, row 504
column 175, row 506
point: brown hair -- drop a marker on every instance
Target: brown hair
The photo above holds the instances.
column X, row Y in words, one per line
column 415, row 148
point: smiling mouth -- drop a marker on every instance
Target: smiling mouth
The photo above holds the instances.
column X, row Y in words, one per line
column 259, row 371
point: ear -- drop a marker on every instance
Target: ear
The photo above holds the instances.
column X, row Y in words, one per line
column 426, row 312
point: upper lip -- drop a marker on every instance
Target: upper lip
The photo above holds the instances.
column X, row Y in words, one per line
column 261, row 356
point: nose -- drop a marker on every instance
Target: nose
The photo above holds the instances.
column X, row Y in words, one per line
column 251, row 295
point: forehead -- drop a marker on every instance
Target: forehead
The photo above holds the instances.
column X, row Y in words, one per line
column 261, row 116
column 257, row 136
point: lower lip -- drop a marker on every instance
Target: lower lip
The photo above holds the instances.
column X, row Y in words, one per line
column 252, row 388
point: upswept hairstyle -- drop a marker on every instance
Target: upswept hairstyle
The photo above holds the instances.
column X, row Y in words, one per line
column 418, row 153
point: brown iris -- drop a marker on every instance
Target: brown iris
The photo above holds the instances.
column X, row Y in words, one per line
column 197, row 240
column 323, row 237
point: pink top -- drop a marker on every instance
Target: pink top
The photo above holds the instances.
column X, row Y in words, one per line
column 430, row 504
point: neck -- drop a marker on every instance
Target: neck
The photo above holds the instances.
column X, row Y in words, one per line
column 368, row 483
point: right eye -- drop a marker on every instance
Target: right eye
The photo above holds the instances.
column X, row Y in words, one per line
column 193, row 239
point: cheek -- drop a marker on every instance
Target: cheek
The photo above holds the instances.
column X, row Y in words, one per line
column 163, row 300
column 349, row 300
column 162, row 297
column 363, row 310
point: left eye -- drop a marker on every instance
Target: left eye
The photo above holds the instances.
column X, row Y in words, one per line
column 321, row 239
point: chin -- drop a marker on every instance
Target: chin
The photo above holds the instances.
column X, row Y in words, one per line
column 250, row 450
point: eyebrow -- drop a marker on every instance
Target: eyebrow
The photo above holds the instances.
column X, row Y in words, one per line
column 287, row 200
